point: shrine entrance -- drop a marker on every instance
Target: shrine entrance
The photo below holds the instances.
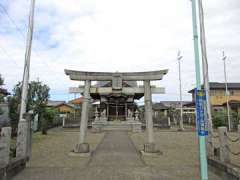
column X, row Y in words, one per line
column 116, row 112
column 116, row 94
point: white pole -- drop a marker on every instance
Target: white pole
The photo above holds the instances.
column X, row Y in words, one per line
column 227, row 92
column 180, row 92
column 27, row 63
column 206, row 79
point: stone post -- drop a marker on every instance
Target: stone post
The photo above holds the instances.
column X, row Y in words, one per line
column 149, row 146
column 24, row 137
column 83, row 147
column 5, row 141
column 96, row 114
column 239, row 131
column 169, row 122
column 174, row 120
column 224, row 153
column 63, row 122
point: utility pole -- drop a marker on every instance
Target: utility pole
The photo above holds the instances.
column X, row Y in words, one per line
column 201, row 139
column 227, row 92
column 180, row 92
column 27, row 63
column 206, row 78
column 24, row 128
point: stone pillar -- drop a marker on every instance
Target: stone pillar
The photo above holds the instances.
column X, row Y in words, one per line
column 126, row 115
column 24, row 136
column 63, row 122
column 96, row 114
column 83, row 147
column 107, row 111
column 5, row 141
column 169, row 122
column 224, row 153
column 174, row 120
column 149, row 146
column 239, row 131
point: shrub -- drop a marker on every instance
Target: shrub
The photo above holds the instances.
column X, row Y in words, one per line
column 219, row 119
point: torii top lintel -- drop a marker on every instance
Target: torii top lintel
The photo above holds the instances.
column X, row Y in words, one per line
column 108, row 76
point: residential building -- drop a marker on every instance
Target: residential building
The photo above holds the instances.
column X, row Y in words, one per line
column 218, row 96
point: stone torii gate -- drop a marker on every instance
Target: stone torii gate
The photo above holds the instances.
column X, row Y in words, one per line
column 117, row 82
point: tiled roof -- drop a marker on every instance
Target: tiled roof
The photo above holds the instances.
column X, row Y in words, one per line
column 217, row 85
column 77, row 101
column 174, row 104
column 4, row 91
column 159, row 106
column 54, row 103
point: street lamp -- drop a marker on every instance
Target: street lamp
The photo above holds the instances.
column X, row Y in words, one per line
column 226, row 90
column 179, row 57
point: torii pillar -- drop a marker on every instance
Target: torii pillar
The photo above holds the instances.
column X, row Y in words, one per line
column 83, row 147
column 149, row 147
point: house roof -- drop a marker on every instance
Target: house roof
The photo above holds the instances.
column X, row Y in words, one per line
column 4, row 92
column 174, row 104
column 232, row 102
column 160, row 106
column 217, row 85
column 51, row 103
column 77, row 100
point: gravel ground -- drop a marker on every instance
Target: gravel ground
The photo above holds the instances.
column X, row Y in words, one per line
column 53, row 150
column 180, row 154
column 50, row 159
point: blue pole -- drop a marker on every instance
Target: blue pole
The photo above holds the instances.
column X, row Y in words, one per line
column 202, row 140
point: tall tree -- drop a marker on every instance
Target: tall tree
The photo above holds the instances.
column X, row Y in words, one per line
column 1, row 95
column 1, row 83
column 38, row 94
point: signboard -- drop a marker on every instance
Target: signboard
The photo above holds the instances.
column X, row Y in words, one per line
column 74, row 90
column 202, row 122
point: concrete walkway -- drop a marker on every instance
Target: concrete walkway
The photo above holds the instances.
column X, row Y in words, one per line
column 117, row 158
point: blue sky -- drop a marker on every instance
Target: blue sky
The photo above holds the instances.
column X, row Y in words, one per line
column 116, row 35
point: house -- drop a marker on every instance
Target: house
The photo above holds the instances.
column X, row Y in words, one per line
column 159, row 109
column 218, row 96
column 76, row 101
column 4, row 92
column 61, row 106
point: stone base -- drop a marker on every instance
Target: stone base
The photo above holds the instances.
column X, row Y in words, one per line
column 22, row 139
column 103, row 119
column 180, row 129
column 155, row 154
column 82, row 148
column 130, row 119
column 150, row 148
column 134, row 126
column 76, row 154
column 96, row 130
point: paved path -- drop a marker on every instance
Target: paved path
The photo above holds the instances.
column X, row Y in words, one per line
column 116, row 158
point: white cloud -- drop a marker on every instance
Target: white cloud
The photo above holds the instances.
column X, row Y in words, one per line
column 111, row 35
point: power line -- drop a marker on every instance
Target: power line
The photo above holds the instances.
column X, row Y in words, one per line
column 18, row 29
column 12, row 21
column 5, row 52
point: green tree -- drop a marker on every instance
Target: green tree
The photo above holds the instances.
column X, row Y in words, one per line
column 38, row 94
column 49, row 116
column 1, row 96
column 219, row 119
